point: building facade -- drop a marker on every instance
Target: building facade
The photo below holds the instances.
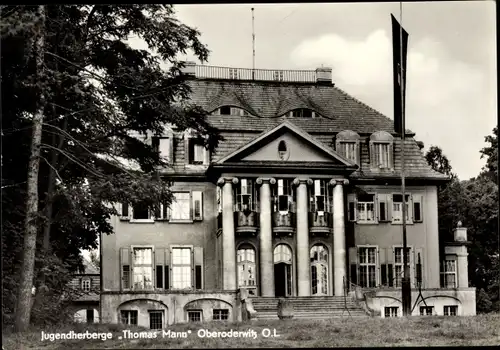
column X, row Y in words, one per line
column 86, row 286
column 302, row 198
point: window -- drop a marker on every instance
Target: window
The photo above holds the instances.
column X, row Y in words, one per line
column 180, row 206
column 349, row 150
column 246, row 267
column 233, row 73
column 398, row 265
column 220, row 314
column 367, row 266
column 397, row 208
column 128, row 317
column 381, row 156
column 163, row 146
column 381, row 146
column 194, row 315
column 143, row 268
column 197, row 205
column 391, row 311
column 86, row 283
column 283, row 198
column 366, row 208
column 228, row 110
column 140, row 211
column 417, row 208
column 320, row 201
column 450, row 310
column 155, row 319
column 245, row 195
column 181, row 268
column 302, row 113
column 283, row 150
column 278, row 75
column 449, row 273
column 383, row 207
column 347, row 144
column 194, row 148
column 426, row 310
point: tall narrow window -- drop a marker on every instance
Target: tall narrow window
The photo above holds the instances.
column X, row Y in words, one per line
column 180, row 207
column 449, row 273
column 246, row 267
column 319, row 200
column 319, row 269
column 367, row 267
column 245, row 195
column 181, row 268
column 398, row 265
column 143, row 268
column 283, row 200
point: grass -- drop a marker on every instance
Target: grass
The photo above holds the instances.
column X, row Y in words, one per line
column 415, row 331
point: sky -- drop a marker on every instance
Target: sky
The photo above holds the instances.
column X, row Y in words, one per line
column 451, row 97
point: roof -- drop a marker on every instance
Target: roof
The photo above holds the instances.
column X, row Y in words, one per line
column 89, row 268
column 267, row 102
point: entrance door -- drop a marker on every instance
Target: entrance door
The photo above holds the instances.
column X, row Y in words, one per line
column 282, row 279
column 282, row 270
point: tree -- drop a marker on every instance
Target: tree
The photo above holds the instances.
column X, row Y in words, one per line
column 102, row 102
column 95, row 259
column 491, row 153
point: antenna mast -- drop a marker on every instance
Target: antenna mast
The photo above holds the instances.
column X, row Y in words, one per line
column 253, row 47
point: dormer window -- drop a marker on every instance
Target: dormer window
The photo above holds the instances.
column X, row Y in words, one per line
column 381, row 150
column 228, row 110
column 347, row 145
column 302, row 113
column 195, row 151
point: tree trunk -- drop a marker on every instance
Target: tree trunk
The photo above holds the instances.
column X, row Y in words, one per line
column 23, row 309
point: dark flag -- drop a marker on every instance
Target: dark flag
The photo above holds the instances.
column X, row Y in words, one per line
column 396, row 66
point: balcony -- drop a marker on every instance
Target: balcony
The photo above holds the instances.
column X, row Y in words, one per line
column 246, row 222
column 283, row 223
column 320, row 223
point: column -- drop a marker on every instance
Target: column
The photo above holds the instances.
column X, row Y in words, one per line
column 266, row 238
column 303, row 261
column 228, row 239
column 339, row 253
column 462, row 267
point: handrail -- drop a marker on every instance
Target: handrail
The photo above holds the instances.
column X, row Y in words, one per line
column 215, row 72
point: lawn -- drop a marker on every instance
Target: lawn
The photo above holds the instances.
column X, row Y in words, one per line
column 347, row 332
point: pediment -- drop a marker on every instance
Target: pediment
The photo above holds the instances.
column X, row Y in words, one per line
column 286, row 143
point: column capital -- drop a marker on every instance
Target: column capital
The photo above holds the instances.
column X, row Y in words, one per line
column 335, row 182
column 262, row 180
column 297, row 181
column 224, row 180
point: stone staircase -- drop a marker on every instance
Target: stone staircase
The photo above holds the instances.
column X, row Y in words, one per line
column 316, row 307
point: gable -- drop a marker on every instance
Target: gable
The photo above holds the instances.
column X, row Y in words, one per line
column 299, row 146
column 297, row 150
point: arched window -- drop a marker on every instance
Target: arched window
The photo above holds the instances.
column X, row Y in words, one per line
column 246, row 266
column 319, row 269
column 347, row 145
column 282, row 253
column 381, row 154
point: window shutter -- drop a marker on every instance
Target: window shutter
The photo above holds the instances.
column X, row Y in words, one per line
column 391, row 156
column 187, row 152
column 153, row 267
column 125, row 261
column 410, row 208
column 352, row 207
column 125, row 212
column 421, row 252
column 198, row 263
column 166, row 283
column 382, row 207
column 192, row 268
column 171, row 148
column 352, row 262
column 389, row 207
column 377, row 261
column 417, row 208
column 383, row 274
column 197, row 203
column 373, row 158
column 206, row 159
column 159, row 276
column 390, row 260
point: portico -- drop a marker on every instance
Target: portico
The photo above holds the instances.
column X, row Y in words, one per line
column 302, row 257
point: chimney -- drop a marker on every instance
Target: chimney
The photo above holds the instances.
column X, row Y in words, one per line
column 189, row 68
column 324, row 75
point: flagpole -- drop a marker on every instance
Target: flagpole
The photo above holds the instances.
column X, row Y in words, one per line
column 405, row 285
